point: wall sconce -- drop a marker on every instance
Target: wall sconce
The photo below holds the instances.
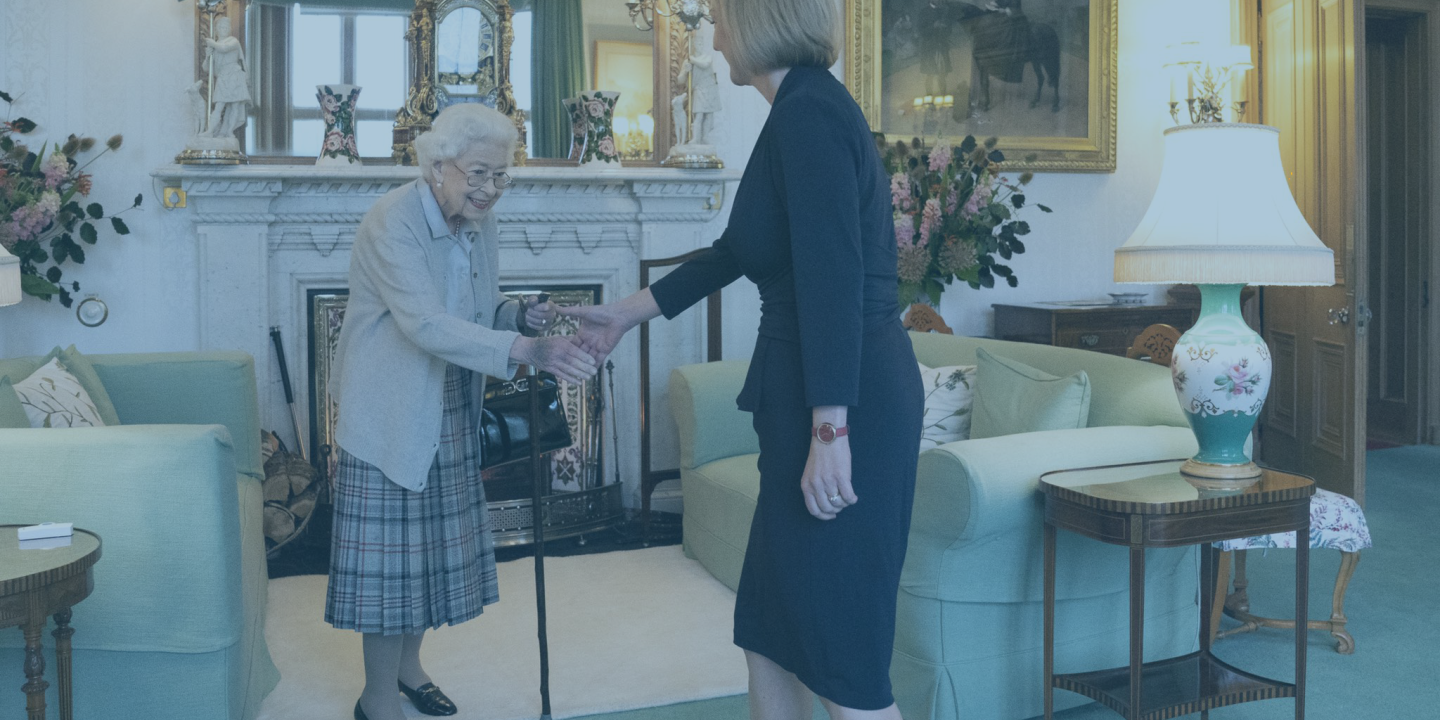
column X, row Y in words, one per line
column 1211, row 73
column 690, row 12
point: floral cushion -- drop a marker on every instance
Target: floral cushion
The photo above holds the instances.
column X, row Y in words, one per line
column 948, row 399
column 1336, row 522
column 52, row 397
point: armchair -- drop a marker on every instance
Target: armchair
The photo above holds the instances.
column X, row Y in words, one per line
column 175, row 626
column 969, row 617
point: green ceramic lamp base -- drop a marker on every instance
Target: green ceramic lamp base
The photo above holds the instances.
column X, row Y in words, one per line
column 1221, row 370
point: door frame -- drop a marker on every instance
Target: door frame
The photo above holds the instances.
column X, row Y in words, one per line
column 1429, row 389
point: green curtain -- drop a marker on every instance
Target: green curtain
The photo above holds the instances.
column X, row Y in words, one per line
column 557, row 59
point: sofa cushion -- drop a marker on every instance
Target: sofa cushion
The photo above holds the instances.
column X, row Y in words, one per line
column 78, row 365
column 949, row 396
column 53, row 397
column 12, row 413
column 1013, row 398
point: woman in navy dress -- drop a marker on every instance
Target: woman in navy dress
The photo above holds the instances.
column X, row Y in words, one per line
column 833, row 384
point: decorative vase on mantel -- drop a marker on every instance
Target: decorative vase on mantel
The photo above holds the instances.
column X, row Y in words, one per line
column 579, row 127
column 600, row 147
column 337, row 107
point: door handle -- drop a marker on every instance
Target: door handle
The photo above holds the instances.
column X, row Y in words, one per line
column 1339, row 317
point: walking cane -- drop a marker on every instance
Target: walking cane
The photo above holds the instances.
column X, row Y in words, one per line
column 537, row 522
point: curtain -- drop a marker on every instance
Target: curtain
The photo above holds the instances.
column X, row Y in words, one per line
column 557, row 61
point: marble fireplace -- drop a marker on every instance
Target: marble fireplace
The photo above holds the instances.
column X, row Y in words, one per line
column 269, row 237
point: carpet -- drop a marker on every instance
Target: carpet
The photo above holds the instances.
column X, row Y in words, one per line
column 632, row 629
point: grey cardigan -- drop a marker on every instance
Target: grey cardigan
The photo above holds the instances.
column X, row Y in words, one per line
column 398, row 338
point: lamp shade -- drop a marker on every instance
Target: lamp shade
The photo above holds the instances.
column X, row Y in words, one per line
column 9, row 278
column 1223, row 214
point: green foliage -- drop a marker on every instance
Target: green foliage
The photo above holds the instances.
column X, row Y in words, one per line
column 40, row 215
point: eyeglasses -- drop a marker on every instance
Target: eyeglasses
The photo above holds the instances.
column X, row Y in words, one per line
column 502, row 179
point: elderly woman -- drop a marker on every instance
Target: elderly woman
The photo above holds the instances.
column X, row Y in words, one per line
column 833, row 383
column 425, row 323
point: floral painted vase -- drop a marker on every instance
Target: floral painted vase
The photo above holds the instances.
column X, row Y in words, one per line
column 600, row 145
column 579, row 127
column 337, row 107
column 1221, row 369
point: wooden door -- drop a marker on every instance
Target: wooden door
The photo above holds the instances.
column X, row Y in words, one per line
column 1398, row 157
column 1315, row 418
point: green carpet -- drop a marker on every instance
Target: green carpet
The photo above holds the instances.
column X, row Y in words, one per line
column 1391, row 606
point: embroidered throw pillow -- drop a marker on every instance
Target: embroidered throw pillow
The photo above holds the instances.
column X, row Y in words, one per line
column 1012, row 397
column 12, row 413
column 54, row 398
column 949, row 394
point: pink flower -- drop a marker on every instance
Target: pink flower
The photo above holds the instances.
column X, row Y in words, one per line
column 904, row 230
column 607, row 146
column 57, row 167
column 334, row 141
column 595, row 108
column 940, row 156
column 1237, row 373
column 979, row 198
column 900, row 191
column 929, row 220
column 952, row 200
column 329, row 103
column 28, row 221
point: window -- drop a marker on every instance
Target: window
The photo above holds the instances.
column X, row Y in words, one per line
column 295, row 48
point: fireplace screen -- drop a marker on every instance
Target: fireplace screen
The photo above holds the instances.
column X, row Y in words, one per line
column 576, row 468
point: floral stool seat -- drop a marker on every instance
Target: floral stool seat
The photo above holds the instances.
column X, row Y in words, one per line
column 1337, row 523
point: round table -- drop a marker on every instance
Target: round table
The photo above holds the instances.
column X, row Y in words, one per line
column 36, row 583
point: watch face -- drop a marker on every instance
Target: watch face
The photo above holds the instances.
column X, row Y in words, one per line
column 825, row 433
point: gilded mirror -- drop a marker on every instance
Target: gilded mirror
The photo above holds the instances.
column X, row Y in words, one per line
column 494, row 51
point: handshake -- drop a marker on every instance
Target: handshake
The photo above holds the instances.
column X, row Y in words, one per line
column 574, row 358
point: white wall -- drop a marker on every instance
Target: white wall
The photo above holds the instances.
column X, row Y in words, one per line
column 99, row 67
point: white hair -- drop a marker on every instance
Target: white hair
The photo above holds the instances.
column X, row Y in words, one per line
column 459, row 128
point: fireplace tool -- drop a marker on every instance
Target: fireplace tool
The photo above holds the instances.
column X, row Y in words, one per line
column 537, row 521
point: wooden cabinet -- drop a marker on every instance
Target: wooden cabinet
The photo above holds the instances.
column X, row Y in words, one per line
column 1102, row 328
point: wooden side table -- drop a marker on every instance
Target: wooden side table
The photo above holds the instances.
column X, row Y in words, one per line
column 35, row 584
column 1147, row 505
column 1095, row 326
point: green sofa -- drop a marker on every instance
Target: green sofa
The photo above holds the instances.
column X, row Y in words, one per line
column 175, row 627
column 968, row 640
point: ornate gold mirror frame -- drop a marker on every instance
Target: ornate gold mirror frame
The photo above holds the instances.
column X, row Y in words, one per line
column 422, row 100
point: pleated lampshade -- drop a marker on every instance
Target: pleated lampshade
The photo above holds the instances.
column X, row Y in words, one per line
column 9, row 278
column 1223, row 214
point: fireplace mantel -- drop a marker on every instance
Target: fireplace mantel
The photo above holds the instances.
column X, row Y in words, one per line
column 266, row 235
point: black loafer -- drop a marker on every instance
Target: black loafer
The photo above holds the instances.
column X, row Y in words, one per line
column 359, row 713
column 429, row 700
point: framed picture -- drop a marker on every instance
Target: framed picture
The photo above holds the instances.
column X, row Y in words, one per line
column 1037, row 74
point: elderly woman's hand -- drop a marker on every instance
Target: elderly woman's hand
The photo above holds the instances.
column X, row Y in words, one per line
column 556, row 354
column 539, row 315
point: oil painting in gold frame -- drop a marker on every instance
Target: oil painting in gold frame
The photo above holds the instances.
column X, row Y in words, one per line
column 1039, row 75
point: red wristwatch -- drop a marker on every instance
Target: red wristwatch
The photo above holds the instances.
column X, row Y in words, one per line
column 826, row 433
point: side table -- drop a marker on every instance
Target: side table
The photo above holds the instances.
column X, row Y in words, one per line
column 1145, row 505
column 35, row 584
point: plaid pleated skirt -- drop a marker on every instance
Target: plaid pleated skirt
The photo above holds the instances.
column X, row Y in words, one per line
column 403, row 561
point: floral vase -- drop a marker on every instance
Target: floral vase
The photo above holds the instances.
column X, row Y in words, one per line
column 337, row 106
column 600, row 147
column 1221, row 369
column 579, row 127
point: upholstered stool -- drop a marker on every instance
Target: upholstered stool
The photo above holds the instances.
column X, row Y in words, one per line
column 1337, row 523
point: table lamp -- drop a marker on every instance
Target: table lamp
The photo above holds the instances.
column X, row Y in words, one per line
column 9, row 278
column 1222, row 218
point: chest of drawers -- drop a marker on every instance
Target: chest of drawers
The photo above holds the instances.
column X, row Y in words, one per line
column 1102, row 328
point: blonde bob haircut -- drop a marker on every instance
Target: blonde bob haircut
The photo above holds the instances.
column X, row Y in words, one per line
column 768, row 35
column 459, row 128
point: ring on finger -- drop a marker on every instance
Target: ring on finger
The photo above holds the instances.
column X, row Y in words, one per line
column 834, row 499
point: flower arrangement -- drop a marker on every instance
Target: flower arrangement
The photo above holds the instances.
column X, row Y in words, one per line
column 954, row 213
column 40, row 212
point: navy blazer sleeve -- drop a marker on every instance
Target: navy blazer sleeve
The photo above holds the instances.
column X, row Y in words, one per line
column 697, row 278
column 818, row 175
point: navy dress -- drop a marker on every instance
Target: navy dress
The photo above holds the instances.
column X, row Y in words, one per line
column 812, row 226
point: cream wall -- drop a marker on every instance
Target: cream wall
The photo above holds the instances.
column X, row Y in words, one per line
column 99, row 67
